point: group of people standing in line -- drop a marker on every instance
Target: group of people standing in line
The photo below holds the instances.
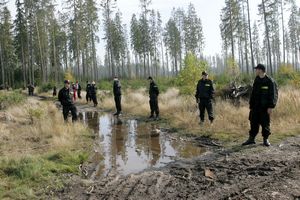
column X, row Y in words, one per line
column 262, row 101
column 67, row 95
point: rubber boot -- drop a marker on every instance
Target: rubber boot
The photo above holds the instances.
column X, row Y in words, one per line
column 251, row 140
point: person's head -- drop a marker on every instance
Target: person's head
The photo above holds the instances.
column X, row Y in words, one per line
column 76, row 81
column 204, row 75
column 260, row 70
column 116, row 78
column 150, row 79
column 67, row 83
column 93, row 83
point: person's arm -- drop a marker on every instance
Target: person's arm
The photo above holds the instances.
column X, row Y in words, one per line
column 60, row 96
column 272, row 95
column 197, row 91
column 251, row 102
column 212, row 90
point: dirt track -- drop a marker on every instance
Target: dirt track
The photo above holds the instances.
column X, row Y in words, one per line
column 253, row 173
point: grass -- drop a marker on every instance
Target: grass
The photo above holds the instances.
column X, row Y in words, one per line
column 10, row 98
column 136, row 84
column 231, row 123
column 37, row 149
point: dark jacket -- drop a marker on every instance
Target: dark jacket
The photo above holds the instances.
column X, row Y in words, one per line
column 117, row 88
column 65, row 97
column 263, row 94
column 153, row 90
column 93, row 90
column 205, row 89
column 88, row 88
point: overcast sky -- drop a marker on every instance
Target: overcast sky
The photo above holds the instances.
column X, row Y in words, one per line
column 208, row 11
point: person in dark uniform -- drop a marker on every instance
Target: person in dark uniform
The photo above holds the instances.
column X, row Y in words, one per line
column 262, row 102
column 117, row 95
column 88, row 92
column 66, row 100
column 54, row 91
column 153, row 94
column 30, row 89
column 93, row 93
column 204, row 95
column 78, row 86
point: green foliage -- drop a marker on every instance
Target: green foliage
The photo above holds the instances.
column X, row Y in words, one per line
column 10, row 98
column 69, row 76
column 135, row 84
column 46, row 87
column 191, row 73
column 29, row 174
column 288, row 76
column 35, row 114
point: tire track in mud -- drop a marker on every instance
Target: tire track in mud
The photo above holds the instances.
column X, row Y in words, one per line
column 256, row 173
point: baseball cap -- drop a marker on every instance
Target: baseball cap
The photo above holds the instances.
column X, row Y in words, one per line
column 204, row 73
column 260, row 66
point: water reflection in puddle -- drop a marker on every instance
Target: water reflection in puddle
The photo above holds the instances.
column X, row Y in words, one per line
column 131, row 147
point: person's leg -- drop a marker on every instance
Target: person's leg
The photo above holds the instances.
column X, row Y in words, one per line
column 209, row 108
column 202, row 110
column 65, row 113
column 156, row 108
column 119, row 108
column 74, row 113
column 95, row 100
column 265, row 124
column 151, row 107
column 254, row 127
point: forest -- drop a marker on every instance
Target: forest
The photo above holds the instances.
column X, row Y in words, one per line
column 196, row 146
column 46, row 39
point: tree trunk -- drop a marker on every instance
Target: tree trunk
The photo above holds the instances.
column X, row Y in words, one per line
column 2, row 64
column 283, row 32
column 250, row 36
column 267, row 37
column 232, row 36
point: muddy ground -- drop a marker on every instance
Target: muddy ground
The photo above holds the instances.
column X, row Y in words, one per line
column 254, row 172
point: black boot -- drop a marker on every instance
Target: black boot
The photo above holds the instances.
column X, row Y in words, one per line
column 266, row 142
column 151, row 116
column 250, row 141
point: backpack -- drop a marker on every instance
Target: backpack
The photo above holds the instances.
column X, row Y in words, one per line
column 276, row 96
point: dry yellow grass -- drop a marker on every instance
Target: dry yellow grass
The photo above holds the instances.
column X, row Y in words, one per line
column 36, row 127
column 231, row 122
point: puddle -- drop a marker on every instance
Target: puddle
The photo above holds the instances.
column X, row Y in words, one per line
column 127, row 147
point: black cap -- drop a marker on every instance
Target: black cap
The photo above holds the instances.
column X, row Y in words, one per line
column 204, row 73
column 150, row 78
column 67, row 81
column 260, row 66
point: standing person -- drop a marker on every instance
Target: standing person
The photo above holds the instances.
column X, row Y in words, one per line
column 88, row 92
column 117, row 95
column 262, row 102
column 54, row 91
column 30, row 89
column 65, row 98
column 204, row 95
column 78, row 87
column 93, row 93
column 74, row 91
column 153, row 94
